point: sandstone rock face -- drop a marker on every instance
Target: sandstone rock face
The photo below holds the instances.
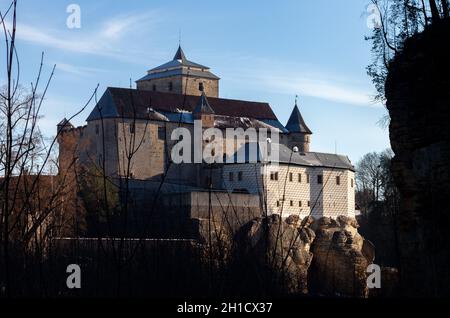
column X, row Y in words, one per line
column 418, row 100
column 283, row 246
column 341, row 257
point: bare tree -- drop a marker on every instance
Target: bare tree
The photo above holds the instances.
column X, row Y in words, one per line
column 30, row 198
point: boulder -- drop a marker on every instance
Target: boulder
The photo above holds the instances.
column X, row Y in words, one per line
column 339, row 265
column 281, row 247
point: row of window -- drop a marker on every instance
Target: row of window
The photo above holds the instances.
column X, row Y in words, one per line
column 239, row 176
column 170, row 87
column 292, row 203
column 274, row 176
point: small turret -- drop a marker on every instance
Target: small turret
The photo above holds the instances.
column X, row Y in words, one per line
column 64, row 125
column 299, row 134
column 204, row 112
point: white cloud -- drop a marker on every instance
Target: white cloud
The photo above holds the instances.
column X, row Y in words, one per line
column 303, row 79
column 320, row 88
column 119, row 26
column 77, row 70
column 105, row 41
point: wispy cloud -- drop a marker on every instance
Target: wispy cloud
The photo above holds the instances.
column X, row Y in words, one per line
column 119, row 26
column 320, row 88
column 304, row 79
column 104, row 41
column 77, row 70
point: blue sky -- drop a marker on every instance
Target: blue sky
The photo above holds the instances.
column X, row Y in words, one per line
column 262, row 50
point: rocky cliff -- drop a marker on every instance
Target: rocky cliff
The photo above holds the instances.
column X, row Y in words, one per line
column 418, row 100
column 291, row 256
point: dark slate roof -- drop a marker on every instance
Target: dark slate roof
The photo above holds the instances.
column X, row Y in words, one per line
column 202, row 106
column 296, row 124
column 179, row 71
column 178, row 60
column 65, row 123
column 180, row 54
column 130, row 103
column 316, row 159
column 308, row 159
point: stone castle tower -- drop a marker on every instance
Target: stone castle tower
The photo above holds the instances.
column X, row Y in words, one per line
column 299, row 133
column 180, row 76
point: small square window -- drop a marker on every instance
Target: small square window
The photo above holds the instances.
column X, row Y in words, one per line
column 240, row 175
column 338, row 180
column 161, row 133
column 299, row 204
column 231, row 176
column 309, row 203
column 276, row 175
column 278, row 203
column 291, row 176
column 307, row 178
column 351, row 182
column 292, row 203
column 299, row 177
column 319, row 179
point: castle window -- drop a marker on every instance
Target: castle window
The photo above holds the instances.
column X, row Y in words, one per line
column 154, row 87
column 240, row 176
column 170, row 86
column 100, row 160
column 338, row 180
column 274, row 176
column 200, row 87
column 307, row 178
column 299, row 204
column 278, row 203
column 351, row 182
column 161, row 133
column 231, row 176
column 300, row 177
column 319, row 179
column 96, row 129
column 292, row 203
column 309, row 203
column 132, row 128
column 291, row 176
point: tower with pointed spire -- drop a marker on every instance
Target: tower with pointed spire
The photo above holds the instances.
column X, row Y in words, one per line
column 204, row 112
column 180, row 76
column 299, row 134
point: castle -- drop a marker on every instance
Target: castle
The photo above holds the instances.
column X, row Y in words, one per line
column 129, row 135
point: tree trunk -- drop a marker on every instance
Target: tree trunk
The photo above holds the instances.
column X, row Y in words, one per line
column 435, row 16
column 445, row 9
column 424, row 11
